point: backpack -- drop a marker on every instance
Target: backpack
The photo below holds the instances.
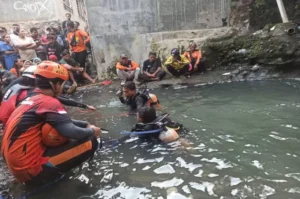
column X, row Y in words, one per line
column 73, row 40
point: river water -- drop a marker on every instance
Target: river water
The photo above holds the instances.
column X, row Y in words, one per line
column 243, row 141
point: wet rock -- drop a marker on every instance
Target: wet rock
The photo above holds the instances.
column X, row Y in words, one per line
column 256, row 67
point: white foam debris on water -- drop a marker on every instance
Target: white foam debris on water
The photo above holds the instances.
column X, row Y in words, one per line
column 200, row 147
column 257, row 164
column 267, row 191
column 296, row 176
column 166, row 169
column 124, row 165
column 190, row 166
column 203, row 186
column 204, row 130
column 293, row 190
column 226, row 74
column 196, row 155
column 143, row 161
column 146, row 168
column 234, row 192
column 161, row 149
column 275, row 133
column 199, row 174
column 84, row 179
column 186, row 189
column 203, row 84
column 174, row 195
column 212, row 150
column 185, row 116
column 235, row 181
column 131, row 139
column 196, row 119
column 123, row 191
column 226, row 138
column 221, row 163
column 213, row 175
column 277, row 137
column 168, row 183
column 289, row 126
column 179, row 87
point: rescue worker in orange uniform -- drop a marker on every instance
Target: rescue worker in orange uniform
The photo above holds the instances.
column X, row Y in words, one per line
column 194, row 55
column 28, row 160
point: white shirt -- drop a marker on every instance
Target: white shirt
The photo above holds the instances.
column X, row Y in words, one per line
column 13, row 38
column 28, row 54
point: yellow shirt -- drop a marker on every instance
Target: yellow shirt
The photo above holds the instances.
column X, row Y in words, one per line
column 176, row 64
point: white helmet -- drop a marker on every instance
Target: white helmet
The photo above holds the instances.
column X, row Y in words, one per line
column 29, row 72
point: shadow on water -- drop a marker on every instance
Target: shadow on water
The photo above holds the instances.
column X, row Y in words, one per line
column 246, row 144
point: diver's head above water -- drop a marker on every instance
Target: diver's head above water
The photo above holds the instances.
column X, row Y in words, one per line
column 129, row 89
column 146, row 115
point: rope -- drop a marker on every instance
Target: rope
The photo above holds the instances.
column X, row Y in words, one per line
column 98, row 115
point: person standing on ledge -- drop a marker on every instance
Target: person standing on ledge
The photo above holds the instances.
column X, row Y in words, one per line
column 178, row 64
column 77, row 40
column 152, row 69
column 64, row 24
column 194, row 55
column 128, row 70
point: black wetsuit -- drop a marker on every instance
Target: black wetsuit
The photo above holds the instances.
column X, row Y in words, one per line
column 161, row 122
column 136, row 102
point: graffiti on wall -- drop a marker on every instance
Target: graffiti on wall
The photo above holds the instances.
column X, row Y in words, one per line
column 36, row 7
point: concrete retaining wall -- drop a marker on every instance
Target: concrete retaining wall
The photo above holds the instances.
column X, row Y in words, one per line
column 123, row 26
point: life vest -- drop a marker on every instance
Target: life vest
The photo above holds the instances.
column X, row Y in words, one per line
column 11, row 99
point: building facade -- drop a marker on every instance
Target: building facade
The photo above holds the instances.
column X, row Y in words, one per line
column 40, row 13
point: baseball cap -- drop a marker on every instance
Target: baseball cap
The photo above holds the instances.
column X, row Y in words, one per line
column 123, row 56
column 53, row 58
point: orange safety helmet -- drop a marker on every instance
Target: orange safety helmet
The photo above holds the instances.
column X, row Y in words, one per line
column 52, row 70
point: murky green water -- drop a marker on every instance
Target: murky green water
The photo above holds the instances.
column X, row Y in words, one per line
column 246, row 144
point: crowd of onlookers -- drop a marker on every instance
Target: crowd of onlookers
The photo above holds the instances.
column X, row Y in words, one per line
column 186, row 64
column 65, row 43
column 69, row 45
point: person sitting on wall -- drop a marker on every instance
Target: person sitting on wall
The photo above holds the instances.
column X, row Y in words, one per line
column 194, row 55
column 128, row 70
column 178, row 64
column 152, row 69
column 73, row 66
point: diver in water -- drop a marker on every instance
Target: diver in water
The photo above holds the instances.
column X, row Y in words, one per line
column 152, row 127
column 136, row 100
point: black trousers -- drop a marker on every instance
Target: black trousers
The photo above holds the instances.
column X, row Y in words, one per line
column 180, row 72
column 200, row 66
column 160, row 75
column 64, row 158
column 80, row 57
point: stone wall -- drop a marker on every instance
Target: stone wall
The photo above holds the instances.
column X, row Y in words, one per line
column 132, row 26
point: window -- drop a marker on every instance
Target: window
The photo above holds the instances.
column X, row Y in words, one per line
column 67, row 6
column 81, row 9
